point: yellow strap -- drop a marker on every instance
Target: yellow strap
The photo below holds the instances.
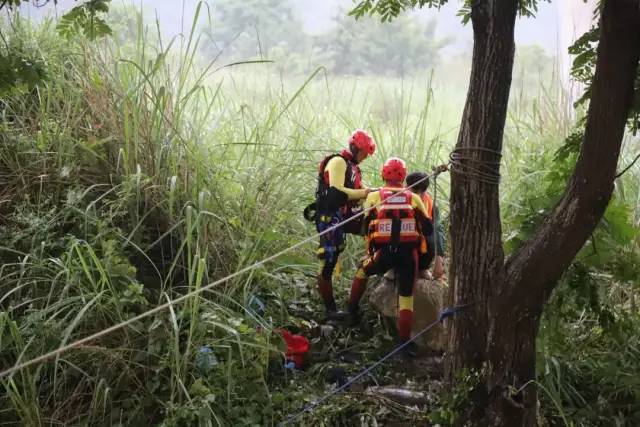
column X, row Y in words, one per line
column 405, row 303
column 360, row 274
column 337, row 270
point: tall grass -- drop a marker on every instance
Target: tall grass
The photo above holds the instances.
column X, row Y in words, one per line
column 136, row 173
column 112, row 205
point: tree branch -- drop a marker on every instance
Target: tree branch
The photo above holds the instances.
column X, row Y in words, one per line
column 628, row 167
column 534, row 269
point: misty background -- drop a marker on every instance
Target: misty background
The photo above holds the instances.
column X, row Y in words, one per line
column 301, row 35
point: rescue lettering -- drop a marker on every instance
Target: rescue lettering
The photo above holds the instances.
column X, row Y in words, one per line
column 385, row 225
column 397, row 199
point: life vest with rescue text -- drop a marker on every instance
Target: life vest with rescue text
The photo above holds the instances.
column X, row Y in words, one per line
column 394, row 220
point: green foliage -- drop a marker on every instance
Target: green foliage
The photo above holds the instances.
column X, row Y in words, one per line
column 585, row 367
column 17, row 69
column 25, row 68
column 529, row 8
column 589, row 352
column 454, row 403
column 85, row 19
column 387, row 9
column 96, row 233
column 391, row 9
column 21, row 66
column 129, row 28
column 548, row 176
column 543, row 178
column 584, row 50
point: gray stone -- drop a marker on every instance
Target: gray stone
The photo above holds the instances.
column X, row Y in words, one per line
column 428, row 300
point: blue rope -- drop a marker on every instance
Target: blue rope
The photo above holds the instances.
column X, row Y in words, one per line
column 444, row 314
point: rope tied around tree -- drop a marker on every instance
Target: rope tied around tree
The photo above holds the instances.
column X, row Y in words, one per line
column 482, row 170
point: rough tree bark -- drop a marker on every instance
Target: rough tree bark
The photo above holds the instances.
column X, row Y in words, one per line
column 497, row 333
column 476, row 235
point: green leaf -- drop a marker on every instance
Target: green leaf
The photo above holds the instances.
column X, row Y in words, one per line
column 390, row 9
column 84, row 19
column 617, row 221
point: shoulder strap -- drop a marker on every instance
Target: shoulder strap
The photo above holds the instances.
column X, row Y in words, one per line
column 323, row 163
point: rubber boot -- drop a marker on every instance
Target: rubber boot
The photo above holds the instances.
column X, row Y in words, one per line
column 405, row 319
column 335, row 316
column 409, row 351
column 325, row 289
column 358, row 286
column 332, row 314
column 354, row 315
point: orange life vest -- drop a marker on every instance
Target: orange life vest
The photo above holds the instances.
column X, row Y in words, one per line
column 394, row 220
column 428, row 204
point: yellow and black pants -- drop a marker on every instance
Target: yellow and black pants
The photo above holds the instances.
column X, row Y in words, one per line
column 403, row 259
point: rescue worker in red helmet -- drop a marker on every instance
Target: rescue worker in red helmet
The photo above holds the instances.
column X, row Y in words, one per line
column 396, row 228
column 339, row 191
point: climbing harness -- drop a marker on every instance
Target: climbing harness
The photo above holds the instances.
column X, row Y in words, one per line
column 328, row 198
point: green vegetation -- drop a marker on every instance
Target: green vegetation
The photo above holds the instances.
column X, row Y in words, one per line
column 132, row 174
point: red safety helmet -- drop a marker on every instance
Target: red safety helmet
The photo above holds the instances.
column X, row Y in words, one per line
column 394, row 169
column 363, row 141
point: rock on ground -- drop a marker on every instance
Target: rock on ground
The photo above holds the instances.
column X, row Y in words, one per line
column 428, row 300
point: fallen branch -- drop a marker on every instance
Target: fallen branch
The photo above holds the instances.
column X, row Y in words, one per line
column 400, row 395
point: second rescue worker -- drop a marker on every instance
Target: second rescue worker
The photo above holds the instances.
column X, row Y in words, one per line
column 397, row 226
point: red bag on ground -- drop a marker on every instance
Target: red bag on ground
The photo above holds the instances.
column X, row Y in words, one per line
column 297, row 347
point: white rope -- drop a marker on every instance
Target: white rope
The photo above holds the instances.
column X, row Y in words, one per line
column 103, row 332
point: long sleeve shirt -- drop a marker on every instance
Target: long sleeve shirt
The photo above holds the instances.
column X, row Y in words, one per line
column 337, row 169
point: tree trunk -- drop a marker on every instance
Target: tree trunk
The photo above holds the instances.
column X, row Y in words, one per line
column 496, row 333
column 476, row 246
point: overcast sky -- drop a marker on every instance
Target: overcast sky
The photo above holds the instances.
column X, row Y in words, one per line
column 552, row 26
